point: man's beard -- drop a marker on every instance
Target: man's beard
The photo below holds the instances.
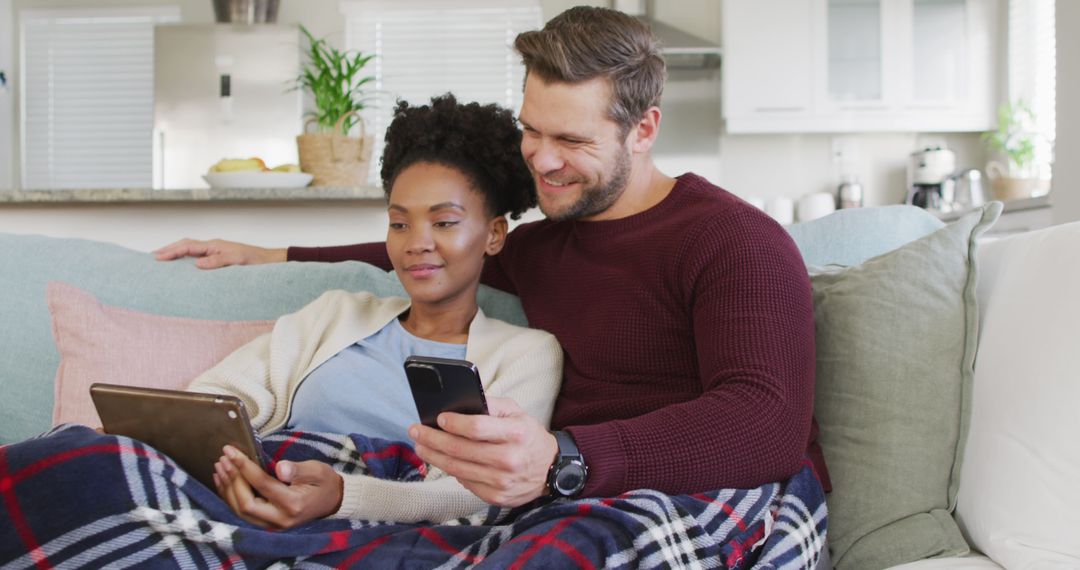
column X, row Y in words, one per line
column 596, row 199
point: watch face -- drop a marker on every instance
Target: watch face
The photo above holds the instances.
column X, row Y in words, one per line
column 570, row 478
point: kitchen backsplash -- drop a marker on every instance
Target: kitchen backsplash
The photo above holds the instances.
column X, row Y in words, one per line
column 765, row 166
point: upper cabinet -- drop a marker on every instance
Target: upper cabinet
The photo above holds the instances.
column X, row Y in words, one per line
column 800, row 66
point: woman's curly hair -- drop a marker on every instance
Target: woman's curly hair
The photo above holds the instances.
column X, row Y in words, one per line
column 481, row 141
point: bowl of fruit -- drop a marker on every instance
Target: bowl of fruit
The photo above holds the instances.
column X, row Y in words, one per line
column 253, row 173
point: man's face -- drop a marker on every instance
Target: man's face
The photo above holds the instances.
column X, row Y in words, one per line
column 579, row 162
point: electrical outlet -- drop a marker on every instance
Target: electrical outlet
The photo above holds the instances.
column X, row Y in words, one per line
column 844, row 151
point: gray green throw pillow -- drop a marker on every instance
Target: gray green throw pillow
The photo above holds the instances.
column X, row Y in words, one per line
column 896, row 340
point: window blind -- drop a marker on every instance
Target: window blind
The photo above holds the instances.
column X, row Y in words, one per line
column 1033, row 69
column 87, row 97
column 425, row 48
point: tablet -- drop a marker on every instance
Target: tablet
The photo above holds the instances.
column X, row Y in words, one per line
column 189, row 427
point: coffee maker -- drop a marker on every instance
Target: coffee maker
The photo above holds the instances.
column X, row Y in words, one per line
column 930, row 182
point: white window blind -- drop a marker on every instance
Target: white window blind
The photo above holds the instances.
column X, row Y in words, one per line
column 1033, row 69
column 88, row 97
column 425, row 48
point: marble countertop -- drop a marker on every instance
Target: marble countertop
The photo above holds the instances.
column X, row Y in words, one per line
column 193, row 196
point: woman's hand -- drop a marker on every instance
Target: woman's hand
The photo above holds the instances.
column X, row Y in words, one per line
column 302, row 492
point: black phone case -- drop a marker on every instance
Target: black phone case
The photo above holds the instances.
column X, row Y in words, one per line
column 444, row 385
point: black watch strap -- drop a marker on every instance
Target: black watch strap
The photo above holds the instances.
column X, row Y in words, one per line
column 567, row 475
column 567, row 445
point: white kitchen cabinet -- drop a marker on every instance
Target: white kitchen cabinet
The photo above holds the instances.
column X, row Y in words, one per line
column 774, row 68
column 844, row 66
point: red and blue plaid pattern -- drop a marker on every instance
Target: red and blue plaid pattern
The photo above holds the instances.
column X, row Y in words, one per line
column 76, row 498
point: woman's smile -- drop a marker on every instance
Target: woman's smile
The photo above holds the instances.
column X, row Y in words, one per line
column 423, row 270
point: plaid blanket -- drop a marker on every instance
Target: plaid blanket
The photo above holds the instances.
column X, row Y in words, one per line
column 76, row 498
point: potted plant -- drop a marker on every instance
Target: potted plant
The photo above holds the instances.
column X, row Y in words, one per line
column 1015, row 139
column 333, row 79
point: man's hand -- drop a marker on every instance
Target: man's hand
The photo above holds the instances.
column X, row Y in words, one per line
column 503, row 458
column 217, row 253
column 302, row 492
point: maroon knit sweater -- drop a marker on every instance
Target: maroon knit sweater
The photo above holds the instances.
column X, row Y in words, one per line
column 689, row 339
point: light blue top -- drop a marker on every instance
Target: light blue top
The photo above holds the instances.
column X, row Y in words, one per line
column 363, row 388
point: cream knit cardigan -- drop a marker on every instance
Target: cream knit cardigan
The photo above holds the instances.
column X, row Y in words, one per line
column 514, row 362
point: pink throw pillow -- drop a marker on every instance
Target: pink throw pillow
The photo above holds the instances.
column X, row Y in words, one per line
column 99, row 343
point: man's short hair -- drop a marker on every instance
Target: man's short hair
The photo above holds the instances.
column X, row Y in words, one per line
column 586, row 42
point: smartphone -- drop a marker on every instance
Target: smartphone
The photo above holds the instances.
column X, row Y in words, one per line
column 444, row 385
column 190, row 427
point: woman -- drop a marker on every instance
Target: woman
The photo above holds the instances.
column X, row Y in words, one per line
column 451, row 173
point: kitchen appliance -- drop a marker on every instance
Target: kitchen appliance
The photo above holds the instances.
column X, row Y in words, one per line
column 246, row 11
column 849, row 194
column 930, row 184
column 781, row 209
column 223, row 91
column 814, row 205
column 681, row 49
column 969, row 191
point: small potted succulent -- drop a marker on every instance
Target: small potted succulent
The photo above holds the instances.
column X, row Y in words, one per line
column 1015, row 140
column 338, row 89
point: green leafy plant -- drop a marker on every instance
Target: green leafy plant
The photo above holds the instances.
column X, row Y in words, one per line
column 1015, row 137
column 333, row 79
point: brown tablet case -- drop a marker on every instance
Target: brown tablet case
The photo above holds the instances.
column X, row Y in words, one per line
column 189, row 427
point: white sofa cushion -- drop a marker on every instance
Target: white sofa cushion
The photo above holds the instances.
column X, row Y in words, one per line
column 1019, row 498
column 972, row 561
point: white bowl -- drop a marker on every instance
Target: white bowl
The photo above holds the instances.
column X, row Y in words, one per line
column 258, row 179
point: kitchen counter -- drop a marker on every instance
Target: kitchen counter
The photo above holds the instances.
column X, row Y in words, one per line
column 144, row 219
column 1017, row 216
column 1010, row 205
column 118, row 196
column 1033, row 203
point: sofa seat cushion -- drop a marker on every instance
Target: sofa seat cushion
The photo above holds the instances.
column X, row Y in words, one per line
column 99, row 343
column 1019, row 496
column 972, row 561
column 896, row 339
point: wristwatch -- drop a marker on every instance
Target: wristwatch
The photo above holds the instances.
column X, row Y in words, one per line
column 566, row 477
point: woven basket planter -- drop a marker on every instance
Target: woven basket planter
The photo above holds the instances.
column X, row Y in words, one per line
column 1007, row 187
column 335, row 159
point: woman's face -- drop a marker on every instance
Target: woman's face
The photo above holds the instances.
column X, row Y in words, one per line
column 439, row 234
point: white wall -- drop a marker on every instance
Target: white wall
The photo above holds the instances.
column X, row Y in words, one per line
column 148, row 227
column 765, row 166
column 7, row 96
column 1066, row 191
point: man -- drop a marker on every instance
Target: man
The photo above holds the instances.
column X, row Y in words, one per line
column 685, row 314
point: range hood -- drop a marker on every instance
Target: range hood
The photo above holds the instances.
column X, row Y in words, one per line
column 680, row 48
column 246, row 11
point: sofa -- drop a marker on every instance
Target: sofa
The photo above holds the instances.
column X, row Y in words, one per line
column 947, row 371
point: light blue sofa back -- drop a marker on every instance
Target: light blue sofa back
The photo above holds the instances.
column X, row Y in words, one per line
column 124, row 278
column 849, row 237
